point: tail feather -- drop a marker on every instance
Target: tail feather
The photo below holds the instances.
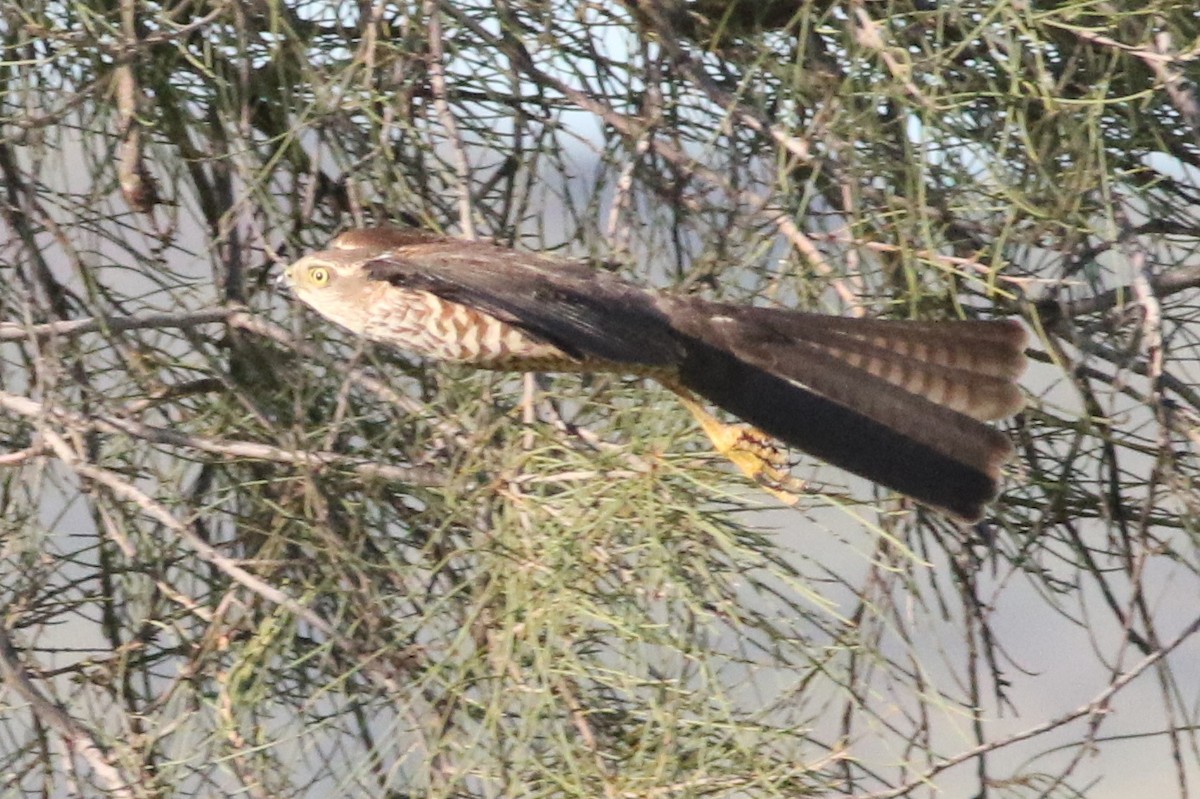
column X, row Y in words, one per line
column 980, row 396
column 994, row 347
column 967, row 366
column 868, row 407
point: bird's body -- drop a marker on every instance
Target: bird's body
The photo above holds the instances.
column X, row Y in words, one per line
column 902, row 403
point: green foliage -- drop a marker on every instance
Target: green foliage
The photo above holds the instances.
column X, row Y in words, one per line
column 243, row 553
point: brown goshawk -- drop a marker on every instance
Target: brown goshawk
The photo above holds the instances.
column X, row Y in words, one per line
column 901, row 403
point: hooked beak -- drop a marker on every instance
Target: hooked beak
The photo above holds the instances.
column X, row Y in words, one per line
column 283, row 281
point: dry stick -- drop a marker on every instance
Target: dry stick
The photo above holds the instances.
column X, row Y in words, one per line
column 380, row 388
column 207, row 552
column 437, row 84
column 752, row 120
column 78, row 739
column 1152, row 342
column 137, row 184
column 616, row 233
column 869, row 36
column 237, row 316
column 24, row 406
column 126, row 491
column 695, row 71
column 628, row 128
column 1182, row 93
column 1162, row 285
column 378, row 673
column 14, row 331
column 1097, row 706
column 956, row 262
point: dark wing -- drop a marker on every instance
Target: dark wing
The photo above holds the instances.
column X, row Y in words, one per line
column 585, row 313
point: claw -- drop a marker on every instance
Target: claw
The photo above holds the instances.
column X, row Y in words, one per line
column 754, row 452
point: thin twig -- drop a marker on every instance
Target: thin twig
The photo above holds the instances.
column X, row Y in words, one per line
column 24, row 406
column 13, row 331
column 78, row 739
column 739, row 111
column 437, row 84
column 1163, row 285
column 633, row 128
column 360, row 377
column 126, row 491
column 1100, row 704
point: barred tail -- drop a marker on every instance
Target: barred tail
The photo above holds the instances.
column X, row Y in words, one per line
column 899, row 403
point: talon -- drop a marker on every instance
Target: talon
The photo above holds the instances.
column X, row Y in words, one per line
column 752, row 451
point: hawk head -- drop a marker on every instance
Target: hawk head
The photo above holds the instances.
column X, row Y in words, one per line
column 334, row 283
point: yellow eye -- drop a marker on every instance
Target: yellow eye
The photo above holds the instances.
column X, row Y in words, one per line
column 318, row 275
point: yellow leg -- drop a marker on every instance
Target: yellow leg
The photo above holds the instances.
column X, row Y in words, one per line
column 751, row 450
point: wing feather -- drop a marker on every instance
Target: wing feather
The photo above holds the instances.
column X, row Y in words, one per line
column 586, row 313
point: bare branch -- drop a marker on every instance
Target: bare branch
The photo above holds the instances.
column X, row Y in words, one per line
column 77, row 738
column 12, row 331
column 312, row 460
